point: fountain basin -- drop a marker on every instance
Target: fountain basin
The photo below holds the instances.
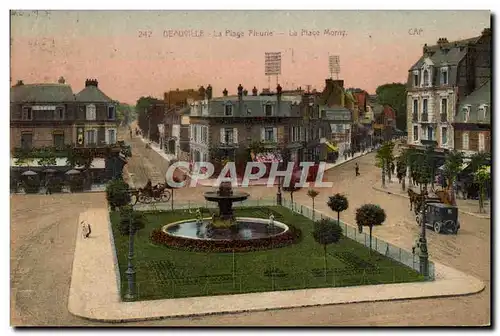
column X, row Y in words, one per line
column 246, row 228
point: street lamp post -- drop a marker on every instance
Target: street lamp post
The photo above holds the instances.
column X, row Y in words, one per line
column 423, row 255
column 131, row 292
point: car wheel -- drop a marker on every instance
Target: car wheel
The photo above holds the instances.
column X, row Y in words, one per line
column 437, row 227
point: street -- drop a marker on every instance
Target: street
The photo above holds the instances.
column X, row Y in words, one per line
column 43, row 232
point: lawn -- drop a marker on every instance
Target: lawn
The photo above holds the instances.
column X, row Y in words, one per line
column 163, row 272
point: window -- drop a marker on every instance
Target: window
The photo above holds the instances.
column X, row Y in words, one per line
column 204, row 134
column 483, row 112
column 269, row 134
column 111, row 112
column 444, row 135
column 444, row 76
column 430, row 133
column 26, row 140
column 481, row 145
column 444, row 106
column 58, row 139
column 111, row 136
column 295, row 133
column 228, row 136
column 268, row 109
column 59, row 113
column 27, row 114
column 426, row 77
column 90, row 112
column 90, row 137
column 415, row 133
column 465, row 141
column 466, row 113
column 425, row 105
column 228, row 110
column 415, row 106
column 195, row 133
column 415, row 79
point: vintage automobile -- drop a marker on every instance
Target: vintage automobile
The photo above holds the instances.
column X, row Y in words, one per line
column 440, row 217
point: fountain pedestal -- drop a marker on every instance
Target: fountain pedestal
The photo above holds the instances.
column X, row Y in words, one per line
column 225, row 197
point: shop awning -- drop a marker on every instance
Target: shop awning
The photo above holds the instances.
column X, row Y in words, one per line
column 331, row 146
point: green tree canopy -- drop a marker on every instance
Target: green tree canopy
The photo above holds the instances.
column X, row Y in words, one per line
column 394, row 94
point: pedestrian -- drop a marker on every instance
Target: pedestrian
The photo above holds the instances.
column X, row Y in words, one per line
column 356, row 168
column 48, row 188
column 393, row 168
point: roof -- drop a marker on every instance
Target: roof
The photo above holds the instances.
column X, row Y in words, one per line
column 263, row 98
column 476, row 99
column 41, row 93
column 92, row 94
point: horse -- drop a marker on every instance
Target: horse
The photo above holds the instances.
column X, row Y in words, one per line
column 413, row 198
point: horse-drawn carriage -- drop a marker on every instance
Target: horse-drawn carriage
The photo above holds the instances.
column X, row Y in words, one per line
column 148, row 194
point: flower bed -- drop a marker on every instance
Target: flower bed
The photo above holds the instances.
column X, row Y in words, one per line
column 291, row 236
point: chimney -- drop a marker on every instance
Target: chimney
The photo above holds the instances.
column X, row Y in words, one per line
column 209, row 92
column 19, row 83
column 442, row 41
column 61, row 80
column 245, row 92
column 240, row 90
column 91, row 82
column 255, row 91
column 279, row 89
column 224, row 93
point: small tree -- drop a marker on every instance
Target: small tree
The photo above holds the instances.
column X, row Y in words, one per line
column 482, row 176
column 313, row 194
column 127, row 214
column 326, row 232
column 338, row 203
column 383, row 158
column 452, row 167
column 370, row 215
column 117, row 193
column 291, row 188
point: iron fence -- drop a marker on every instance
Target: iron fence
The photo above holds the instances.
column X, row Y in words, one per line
column 387, row 249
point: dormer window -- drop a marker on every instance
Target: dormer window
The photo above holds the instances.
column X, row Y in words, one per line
column 268, row 110
column 228, row 110
column 416, row 80
column 466, row 111
column 426, row 77
column 483, row 111
column 111, row 112
column 444, row 76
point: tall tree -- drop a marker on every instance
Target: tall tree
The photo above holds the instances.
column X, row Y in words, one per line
column 142, row 108
column 452, row 167
column 482, row 176
column 394, row 94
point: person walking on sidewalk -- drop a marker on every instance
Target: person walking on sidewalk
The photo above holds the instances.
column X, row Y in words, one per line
column 356, row 168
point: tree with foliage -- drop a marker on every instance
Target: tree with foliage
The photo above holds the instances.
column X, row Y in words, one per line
column 142, row 108
column 452, row 167
column 430, row 158
column 326, row 232
column 370, row 215
column 81, row 157
column 401, row 167
column 384, row 157
column 128, row 215
column 117, row 193
column 394, row 94
column 482, row 177
column 338, row 203
column 313, row 194
column 478, row 160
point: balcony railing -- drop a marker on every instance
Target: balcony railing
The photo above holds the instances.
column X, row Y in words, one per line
column 425, row 117
column 444, row 117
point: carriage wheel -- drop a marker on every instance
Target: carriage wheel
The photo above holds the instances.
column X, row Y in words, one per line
column 147, row 199
column 437, row 227
column 165, row 197
column 141, row 199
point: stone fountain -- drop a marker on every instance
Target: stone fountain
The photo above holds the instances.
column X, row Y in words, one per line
column 225, row 197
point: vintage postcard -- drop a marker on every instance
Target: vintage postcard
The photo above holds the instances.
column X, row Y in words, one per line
column 250, row 168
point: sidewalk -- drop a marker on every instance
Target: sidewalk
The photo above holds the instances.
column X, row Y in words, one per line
column 95, row 284
column 470, row 207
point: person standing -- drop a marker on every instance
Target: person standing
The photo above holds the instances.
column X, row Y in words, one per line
column 356, row 168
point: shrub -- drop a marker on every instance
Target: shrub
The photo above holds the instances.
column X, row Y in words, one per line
column 117, row 193
column 138, row 220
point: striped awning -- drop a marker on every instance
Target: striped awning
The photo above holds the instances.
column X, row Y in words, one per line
column 331, row 146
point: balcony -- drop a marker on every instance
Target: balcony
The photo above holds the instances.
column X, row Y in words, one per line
column 425, row 117
column 444, row 117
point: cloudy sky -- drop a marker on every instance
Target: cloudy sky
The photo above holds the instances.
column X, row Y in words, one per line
column 136, row 53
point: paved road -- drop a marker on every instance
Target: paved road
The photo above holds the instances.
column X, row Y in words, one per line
column 42, row 247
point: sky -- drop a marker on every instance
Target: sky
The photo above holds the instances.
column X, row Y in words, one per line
column 140, row 53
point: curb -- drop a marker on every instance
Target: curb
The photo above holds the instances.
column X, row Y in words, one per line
column 400, row 195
